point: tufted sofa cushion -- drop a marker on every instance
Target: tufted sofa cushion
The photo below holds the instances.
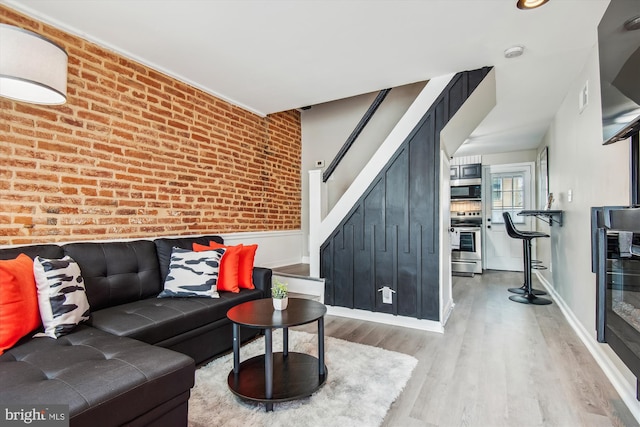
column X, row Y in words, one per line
column 95, row 372
column 117, row 272
column 155, row 320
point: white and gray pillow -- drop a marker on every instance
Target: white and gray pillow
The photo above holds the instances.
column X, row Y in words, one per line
column 62, row 299
column 192, row 274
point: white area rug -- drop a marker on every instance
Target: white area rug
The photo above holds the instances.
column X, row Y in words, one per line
column 362, row 383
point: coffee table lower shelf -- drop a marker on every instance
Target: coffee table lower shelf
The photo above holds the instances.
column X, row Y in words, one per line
column 294, row 377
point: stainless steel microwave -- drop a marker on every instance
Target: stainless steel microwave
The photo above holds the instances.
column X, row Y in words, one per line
column 466, row 192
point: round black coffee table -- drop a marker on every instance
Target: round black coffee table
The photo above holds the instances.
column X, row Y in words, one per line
column 281, row 376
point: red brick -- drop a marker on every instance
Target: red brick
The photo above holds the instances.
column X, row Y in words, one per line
column 135, row 153
column 148, row 82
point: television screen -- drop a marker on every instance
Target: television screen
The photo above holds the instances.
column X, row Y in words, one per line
column 619, row 51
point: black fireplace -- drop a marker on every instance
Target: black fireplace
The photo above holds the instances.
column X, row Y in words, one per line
column 615, row 231
column 616, row 262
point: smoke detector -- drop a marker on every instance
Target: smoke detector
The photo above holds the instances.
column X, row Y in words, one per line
column 513, row 52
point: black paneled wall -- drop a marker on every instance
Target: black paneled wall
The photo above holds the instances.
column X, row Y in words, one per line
column 390, row 237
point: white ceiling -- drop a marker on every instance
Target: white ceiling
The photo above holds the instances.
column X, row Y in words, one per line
column 274, row 55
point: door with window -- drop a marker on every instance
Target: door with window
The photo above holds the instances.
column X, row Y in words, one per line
column 508, row 188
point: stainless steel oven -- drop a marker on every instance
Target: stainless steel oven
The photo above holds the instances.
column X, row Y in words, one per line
column 466, row 252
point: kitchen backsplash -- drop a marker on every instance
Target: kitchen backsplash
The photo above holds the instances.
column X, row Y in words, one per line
column 466, row 205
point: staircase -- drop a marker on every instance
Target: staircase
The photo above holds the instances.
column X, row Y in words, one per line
column 300, row 284
column 385, row 231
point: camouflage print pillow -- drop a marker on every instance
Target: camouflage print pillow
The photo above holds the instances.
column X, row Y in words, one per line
column 62, row 299
column 192, row 274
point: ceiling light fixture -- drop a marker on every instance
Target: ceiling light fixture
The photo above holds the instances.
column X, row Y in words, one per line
column 513, row 52
column 530, row 4
column 632, row 24
column 32, row 68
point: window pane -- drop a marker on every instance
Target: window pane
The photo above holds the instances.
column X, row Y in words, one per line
column 507, row 195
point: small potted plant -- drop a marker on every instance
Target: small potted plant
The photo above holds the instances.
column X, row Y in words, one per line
column 279, row 294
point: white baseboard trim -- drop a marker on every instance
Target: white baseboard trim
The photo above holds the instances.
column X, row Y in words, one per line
column 626, row 391
column 387, row 319
column 447, row 312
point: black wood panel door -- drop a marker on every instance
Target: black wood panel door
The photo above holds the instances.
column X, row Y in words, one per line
column 390, row 237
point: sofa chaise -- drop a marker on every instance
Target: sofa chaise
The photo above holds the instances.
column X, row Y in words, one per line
column 133, row 362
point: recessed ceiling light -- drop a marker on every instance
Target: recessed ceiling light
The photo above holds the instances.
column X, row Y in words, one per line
column 513, row 51
column 632, row 24
column 530, row 4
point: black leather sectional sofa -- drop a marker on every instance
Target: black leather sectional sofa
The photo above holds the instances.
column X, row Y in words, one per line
column 133, row 362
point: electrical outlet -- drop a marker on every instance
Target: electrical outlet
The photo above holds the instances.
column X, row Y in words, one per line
column 387, row 294
column 319, row 163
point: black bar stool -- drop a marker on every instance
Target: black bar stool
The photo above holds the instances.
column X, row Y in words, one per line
column 528, row 296
column 535, row 265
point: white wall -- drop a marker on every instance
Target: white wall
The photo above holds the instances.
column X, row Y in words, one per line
column 511, row 157
column 598, row 175
column 326, row 127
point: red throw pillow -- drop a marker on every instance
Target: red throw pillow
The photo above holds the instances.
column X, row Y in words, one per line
column 245, row 267
column 19, row 312
column 245, row 264
column 228, row 274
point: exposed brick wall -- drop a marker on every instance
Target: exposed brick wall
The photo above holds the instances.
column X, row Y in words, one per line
column 135, row 153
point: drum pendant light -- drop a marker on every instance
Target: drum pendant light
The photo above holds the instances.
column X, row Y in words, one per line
column 32, row 68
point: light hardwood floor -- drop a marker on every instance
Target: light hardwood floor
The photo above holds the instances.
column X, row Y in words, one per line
column 499, row 363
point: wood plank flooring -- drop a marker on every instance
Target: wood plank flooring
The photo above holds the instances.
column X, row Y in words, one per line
column 499, row 363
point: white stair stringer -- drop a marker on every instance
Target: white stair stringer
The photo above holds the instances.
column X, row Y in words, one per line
column 320, row 230
column 302, row 285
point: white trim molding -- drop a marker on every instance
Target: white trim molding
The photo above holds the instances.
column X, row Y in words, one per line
column 275, row 248
column 302, row 285
column 387, row 319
